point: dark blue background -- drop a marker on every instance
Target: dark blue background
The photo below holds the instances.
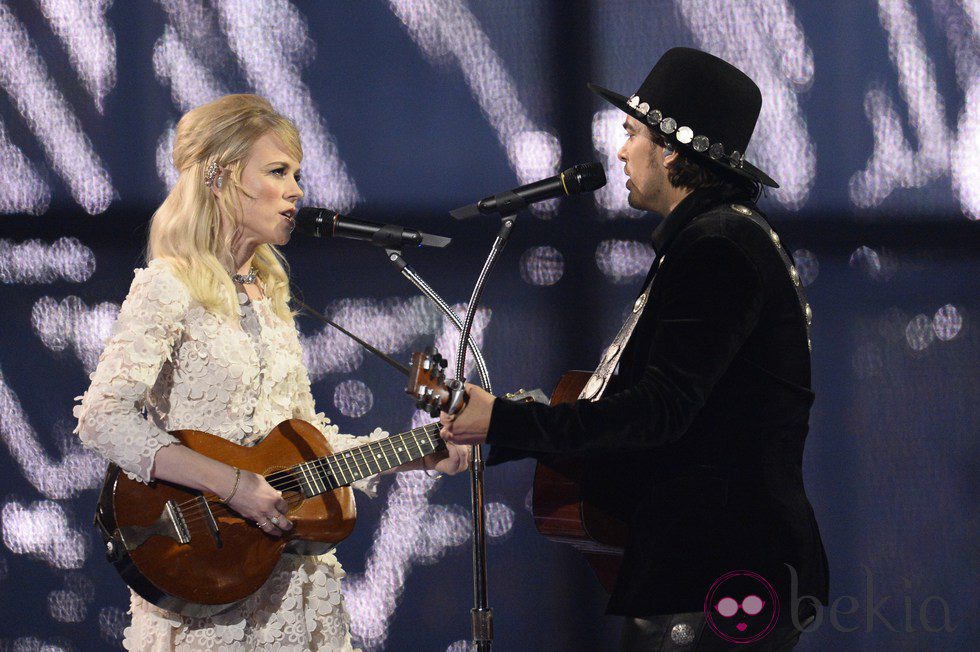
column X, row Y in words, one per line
column 891, row 463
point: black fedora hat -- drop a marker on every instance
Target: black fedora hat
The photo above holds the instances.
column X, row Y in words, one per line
column 701, row 104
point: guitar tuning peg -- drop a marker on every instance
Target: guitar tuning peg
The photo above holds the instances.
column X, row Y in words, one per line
column 421, row 404
column 443, row 362
column 434, row 411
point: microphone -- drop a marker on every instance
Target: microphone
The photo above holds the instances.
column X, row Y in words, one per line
column 325, row 223
column 582, row 177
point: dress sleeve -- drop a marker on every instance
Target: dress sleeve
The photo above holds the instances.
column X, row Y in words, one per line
column 304, row 408
column 712, row 301
column 111, row 416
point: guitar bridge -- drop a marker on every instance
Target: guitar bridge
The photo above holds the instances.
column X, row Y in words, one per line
column 170, row 524
column 209, row 520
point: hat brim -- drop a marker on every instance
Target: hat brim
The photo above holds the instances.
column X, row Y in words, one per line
column 746, row 170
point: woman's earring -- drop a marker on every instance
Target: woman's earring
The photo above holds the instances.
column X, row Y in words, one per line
column 217, row 182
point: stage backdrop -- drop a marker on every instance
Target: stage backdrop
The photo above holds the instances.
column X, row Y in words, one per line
column 871, row 124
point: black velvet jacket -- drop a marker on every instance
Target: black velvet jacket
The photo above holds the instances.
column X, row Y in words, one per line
column 698, row 440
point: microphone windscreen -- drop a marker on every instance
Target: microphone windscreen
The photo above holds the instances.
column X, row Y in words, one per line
column 317, row 222
column 590, row 176
column 465, row 212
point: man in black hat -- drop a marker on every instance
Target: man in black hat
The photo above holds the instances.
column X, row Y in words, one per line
column 701, row 431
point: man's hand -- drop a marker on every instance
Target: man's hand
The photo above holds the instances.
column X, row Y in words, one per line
column 451, row 460
column 469, row 426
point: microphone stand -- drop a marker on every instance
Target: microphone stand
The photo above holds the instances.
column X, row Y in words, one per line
column 481, row 614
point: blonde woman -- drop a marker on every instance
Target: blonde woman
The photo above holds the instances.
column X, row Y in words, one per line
column 205, row 340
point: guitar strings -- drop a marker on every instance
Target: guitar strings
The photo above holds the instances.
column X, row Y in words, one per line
column 359, row 450
column 194, row 512
column 324, row 462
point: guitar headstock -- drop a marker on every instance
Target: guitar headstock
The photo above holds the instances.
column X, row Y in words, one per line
column 427, row 382
column 526, row 396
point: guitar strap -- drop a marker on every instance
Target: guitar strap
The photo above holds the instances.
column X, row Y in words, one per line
column 794, row 275
column 597, row 384
column 594, row 389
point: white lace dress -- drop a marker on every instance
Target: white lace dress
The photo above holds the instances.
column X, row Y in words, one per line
column 169, row 364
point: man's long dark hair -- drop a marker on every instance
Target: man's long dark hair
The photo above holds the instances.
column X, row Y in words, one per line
column 685, row 172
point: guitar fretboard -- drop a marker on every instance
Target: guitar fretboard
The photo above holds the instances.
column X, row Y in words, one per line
column 341, row 469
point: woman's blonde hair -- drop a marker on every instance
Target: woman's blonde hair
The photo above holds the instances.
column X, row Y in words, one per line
column 187, row 230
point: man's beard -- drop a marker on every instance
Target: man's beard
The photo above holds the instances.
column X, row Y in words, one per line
column 630, row 200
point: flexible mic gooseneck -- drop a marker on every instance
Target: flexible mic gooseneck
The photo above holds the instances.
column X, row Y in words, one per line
column 584, row 177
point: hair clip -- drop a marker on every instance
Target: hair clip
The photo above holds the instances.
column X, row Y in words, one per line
column 210, row 173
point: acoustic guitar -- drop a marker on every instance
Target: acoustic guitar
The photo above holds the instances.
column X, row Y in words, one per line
column 564, row 510
column 187, row 552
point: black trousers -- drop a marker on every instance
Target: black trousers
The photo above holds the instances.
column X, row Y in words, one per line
column 689, row 632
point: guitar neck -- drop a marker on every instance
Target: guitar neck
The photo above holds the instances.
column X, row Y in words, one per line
column 341, row 469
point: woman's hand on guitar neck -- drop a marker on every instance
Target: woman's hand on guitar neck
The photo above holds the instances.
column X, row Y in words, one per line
column 256, row 500
column 469, row 426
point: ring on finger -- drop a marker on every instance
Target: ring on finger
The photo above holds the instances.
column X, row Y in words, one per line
column 261, row 525
column 274, row 520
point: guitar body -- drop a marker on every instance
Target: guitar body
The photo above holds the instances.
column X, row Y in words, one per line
column 565, row 512
column 216, row 569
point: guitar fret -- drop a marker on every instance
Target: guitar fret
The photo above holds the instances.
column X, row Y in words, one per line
column 341, row 469
column 355, row 472
column 382, row 449
column 305, row 481
column 317, row 485
column 366, row 456
column 337, row 471
column 318, row 478
column 417, row 444
column 320, row 475
column 350, row 473
column 395, row 450
column 349, row 453
column 308, row 488
column 373, row 449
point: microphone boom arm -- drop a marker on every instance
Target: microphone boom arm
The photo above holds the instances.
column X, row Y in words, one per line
column 396, row 259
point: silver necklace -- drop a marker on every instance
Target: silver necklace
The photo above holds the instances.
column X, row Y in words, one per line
column 245, row 279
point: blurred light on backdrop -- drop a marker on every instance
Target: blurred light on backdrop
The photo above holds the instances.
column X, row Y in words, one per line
column 807, row 265
column 623, row 260
column 542, row 266
column 919, row 333
column 33, row 261
column 353, row 398
column 947, row 322
column 41, row 530
column 24, row 77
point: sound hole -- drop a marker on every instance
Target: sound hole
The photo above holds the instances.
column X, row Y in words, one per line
column 287, row 481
